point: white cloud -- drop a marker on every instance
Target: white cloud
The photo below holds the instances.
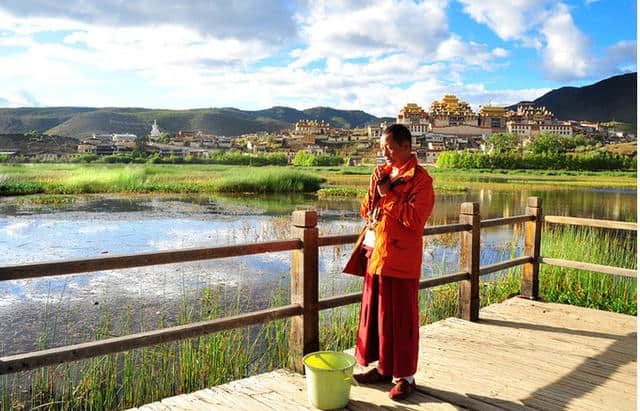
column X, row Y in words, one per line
column 247, row 19
column 566, row 54
column 548, row 26
column 509, row 19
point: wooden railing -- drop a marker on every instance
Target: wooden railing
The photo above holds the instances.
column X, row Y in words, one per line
column 305, row 304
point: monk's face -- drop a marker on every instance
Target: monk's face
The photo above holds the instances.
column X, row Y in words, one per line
column 395, row 154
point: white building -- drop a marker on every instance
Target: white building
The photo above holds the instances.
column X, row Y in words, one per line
column 155, row 131
column 123, row 137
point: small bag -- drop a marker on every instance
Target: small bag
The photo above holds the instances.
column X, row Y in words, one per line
column 369, row 238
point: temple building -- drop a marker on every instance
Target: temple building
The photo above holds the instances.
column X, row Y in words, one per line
column 312, row 127
column 414, row 118
column 453, row 116
column 492, row 117
column 452, row 112
column 528, row 111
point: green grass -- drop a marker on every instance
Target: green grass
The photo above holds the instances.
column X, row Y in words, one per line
column 359, row 192
column 84, row 179
column 148, row 374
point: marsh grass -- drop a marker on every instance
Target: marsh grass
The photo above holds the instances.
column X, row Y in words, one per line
column 86, row 179
column 148, row 374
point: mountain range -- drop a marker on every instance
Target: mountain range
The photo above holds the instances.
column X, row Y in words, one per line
column 610, row 99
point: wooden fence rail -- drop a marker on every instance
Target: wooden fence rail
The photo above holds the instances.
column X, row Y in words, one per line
column 305, row 304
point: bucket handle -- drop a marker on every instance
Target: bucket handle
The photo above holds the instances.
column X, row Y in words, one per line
column 347, row 377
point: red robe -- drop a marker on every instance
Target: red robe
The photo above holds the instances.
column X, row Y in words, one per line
column 388, row 329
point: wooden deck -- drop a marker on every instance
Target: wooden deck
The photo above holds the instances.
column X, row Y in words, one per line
column 520, row 355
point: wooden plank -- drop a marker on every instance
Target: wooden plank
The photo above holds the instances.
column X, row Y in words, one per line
column 447, row 228
column 28, row 361
column 579, row 265
column 304, row 337
column 503, row 265
column 591, row 222
column 505, row 221
column 469, row 289
column 352, row 298
column 585, row 360
column 351, row 238
column 529, row 285
column 444, row 279
column 47, row 269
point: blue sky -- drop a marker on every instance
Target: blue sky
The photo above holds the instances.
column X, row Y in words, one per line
column 373, row 55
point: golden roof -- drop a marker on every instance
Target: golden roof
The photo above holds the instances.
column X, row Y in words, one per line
column 492, row 111
column 412, row 108
column 450, row 105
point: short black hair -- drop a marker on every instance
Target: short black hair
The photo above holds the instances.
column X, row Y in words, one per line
column 398, row 133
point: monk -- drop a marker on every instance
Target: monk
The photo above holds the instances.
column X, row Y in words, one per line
column 396, row 208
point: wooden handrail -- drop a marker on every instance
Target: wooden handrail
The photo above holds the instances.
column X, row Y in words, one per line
column 591, row 222
column 503, row 265
column 434, row 230
column 579, row 265
column 506, row 220
column 36, row 359
column 18, row 272
column 352, row 298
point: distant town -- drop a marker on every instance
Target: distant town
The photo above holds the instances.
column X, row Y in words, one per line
column 448, row 125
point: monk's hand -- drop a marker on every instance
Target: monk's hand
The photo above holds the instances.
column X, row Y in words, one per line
column 383, row 181
column 379, row 175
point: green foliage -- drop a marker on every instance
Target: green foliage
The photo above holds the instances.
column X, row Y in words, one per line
column 555, row 161
column 85, row 158
column 269, row 181
column 503, row 143
column 306, row 159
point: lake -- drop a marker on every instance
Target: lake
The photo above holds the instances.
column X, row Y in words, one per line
column 68, row 309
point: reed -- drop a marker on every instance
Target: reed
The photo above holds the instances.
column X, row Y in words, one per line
column 115, row 178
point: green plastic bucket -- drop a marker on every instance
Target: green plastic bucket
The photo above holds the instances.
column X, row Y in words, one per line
column 329, row 378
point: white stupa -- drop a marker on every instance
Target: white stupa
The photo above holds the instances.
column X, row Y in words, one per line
column 155, row 131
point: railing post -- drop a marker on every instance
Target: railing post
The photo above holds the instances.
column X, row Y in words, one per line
column 469, row 290
column 304, row 337
column 533, row 230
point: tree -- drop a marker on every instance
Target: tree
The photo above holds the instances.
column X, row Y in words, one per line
column 547, row 143
column 141, row 142
column 503, row 143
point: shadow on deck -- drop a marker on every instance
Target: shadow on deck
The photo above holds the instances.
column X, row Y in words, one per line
column 520, row 355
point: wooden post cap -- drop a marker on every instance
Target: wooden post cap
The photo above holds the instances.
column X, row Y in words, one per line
column 534, row 202
column 469, row 208
column 305, row 218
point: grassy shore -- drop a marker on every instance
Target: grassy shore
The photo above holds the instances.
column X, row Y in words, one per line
column 59, row 179
column 83, row 179
column 148, row 374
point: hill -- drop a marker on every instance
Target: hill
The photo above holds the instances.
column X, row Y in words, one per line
column 81, row 122
column 610, row 99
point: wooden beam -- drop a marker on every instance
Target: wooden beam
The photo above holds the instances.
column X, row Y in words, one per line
column 590, row 222
column 529, row 285
column 579, row 265
column 46, row 269
column 28, row 361
column 434, row 230
column 352, row 298
column 305, row 333
column 503, row 265
column 469, row 289
column 505, row 221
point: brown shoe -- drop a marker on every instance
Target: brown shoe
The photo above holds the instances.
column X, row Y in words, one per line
column 371, row 377
column 402, row 390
